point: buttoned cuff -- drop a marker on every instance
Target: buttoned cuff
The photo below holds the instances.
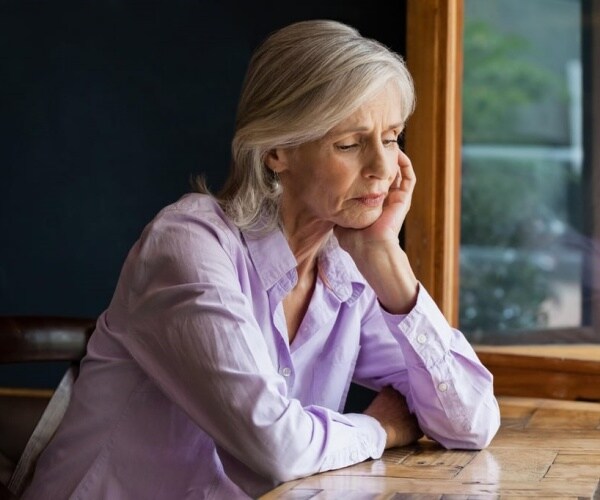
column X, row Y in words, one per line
column 369, row 443
column 424, row 330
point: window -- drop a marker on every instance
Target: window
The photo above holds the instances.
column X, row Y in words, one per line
column 517, row 205
column 526, row 230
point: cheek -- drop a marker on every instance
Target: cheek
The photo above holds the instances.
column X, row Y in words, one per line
column 338, row 176
column 335, row 189
column 325, row 180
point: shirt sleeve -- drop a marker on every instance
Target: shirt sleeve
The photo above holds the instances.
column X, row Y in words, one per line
column 437, row 370
column 193, row 332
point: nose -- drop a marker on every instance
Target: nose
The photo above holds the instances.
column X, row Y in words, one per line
column 381, row 163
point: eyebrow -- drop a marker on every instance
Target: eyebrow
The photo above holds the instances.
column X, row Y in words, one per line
column 364, row 129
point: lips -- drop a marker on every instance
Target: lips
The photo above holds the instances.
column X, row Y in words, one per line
column 371, row 199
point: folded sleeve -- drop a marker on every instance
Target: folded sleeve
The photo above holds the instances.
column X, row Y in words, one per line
column 435, row 367
column 193, row 332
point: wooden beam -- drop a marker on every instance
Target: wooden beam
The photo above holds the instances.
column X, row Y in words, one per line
column 433, row 141
column 546, row 371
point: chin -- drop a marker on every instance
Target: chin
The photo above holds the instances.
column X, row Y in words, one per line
column 358, row 218
column 362, row 222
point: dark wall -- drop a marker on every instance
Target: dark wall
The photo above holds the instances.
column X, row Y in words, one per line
column 106, row 110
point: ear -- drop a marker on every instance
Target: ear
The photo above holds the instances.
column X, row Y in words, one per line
column 277, row 160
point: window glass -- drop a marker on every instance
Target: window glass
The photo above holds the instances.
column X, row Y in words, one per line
column 522, row 217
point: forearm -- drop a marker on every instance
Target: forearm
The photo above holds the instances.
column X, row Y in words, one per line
column 387, row 270
column 422, row 357
column 449, row 390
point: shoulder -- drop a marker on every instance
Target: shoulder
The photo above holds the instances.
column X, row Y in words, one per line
column 201, row 208
column 185, row 242
column 193, row 231
column 192, row 218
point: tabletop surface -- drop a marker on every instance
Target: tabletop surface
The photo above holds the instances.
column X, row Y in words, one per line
column 545, row 448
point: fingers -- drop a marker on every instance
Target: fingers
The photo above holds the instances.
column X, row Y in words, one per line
column 407, row 173
column 404, row 183
column 397, row 180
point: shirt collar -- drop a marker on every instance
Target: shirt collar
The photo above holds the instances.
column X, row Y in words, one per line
column 271, row 256
column 340, row 273
column 274, row 260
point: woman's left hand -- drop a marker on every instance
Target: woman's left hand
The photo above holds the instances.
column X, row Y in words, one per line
column 376, row 249
column 387, row 227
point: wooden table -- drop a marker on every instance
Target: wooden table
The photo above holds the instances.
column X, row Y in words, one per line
column 547, row 449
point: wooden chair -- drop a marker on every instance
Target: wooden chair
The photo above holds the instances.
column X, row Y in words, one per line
column 29, row 417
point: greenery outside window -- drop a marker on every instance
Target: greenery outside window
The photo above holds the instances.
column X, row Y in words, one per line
column 527, row 218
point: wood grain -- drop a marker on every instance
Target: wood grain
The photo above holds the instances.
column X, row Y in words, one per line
column 544, row 449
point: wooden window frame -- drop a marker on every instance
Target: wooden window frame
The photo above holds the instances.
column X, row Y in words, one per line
column 433, row 142
column 434, row 55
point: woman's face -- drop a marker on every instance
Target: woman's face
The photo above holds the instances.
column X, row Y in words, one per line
column 344, row 177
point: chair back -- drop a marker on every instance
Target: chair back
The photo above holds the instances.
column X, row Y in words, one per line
column 33, row 339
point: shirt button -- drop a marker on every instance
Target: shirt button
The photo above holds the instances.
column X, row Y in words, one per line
column 286, row 372
column 443, row 387
column 422, row 338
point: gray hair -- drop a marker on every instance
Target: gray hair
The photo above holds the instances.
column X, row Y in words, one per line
column 301, row 82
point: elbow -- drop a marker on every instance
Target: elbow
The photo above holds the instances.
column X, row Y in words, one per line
column 282, row 451
column 473, row 439
column 286, row 466
column 489, row 423
column 489, row 432
column 279, row 463
column 482, row 426
column 479, row 438
column 479, row 433
column 282, row 474
column 283, row 470
column 474, row 434
column 266, row 468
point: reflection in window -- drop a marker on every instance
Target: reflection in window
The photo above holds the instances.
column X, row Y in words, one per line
column 521, row 218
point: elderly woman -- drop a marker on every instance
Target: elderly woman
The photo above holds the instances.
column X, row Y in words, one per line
column 222, row 364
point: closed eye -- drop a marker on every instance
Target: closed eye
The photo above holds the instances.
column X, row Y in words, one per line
column 347, row 147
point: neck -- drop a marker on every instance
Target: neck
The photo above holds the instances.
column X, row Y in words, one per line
column 306, row 236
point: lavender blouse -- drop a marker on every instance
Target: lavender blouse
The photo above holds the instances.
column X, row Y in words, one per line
column 190, row 388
